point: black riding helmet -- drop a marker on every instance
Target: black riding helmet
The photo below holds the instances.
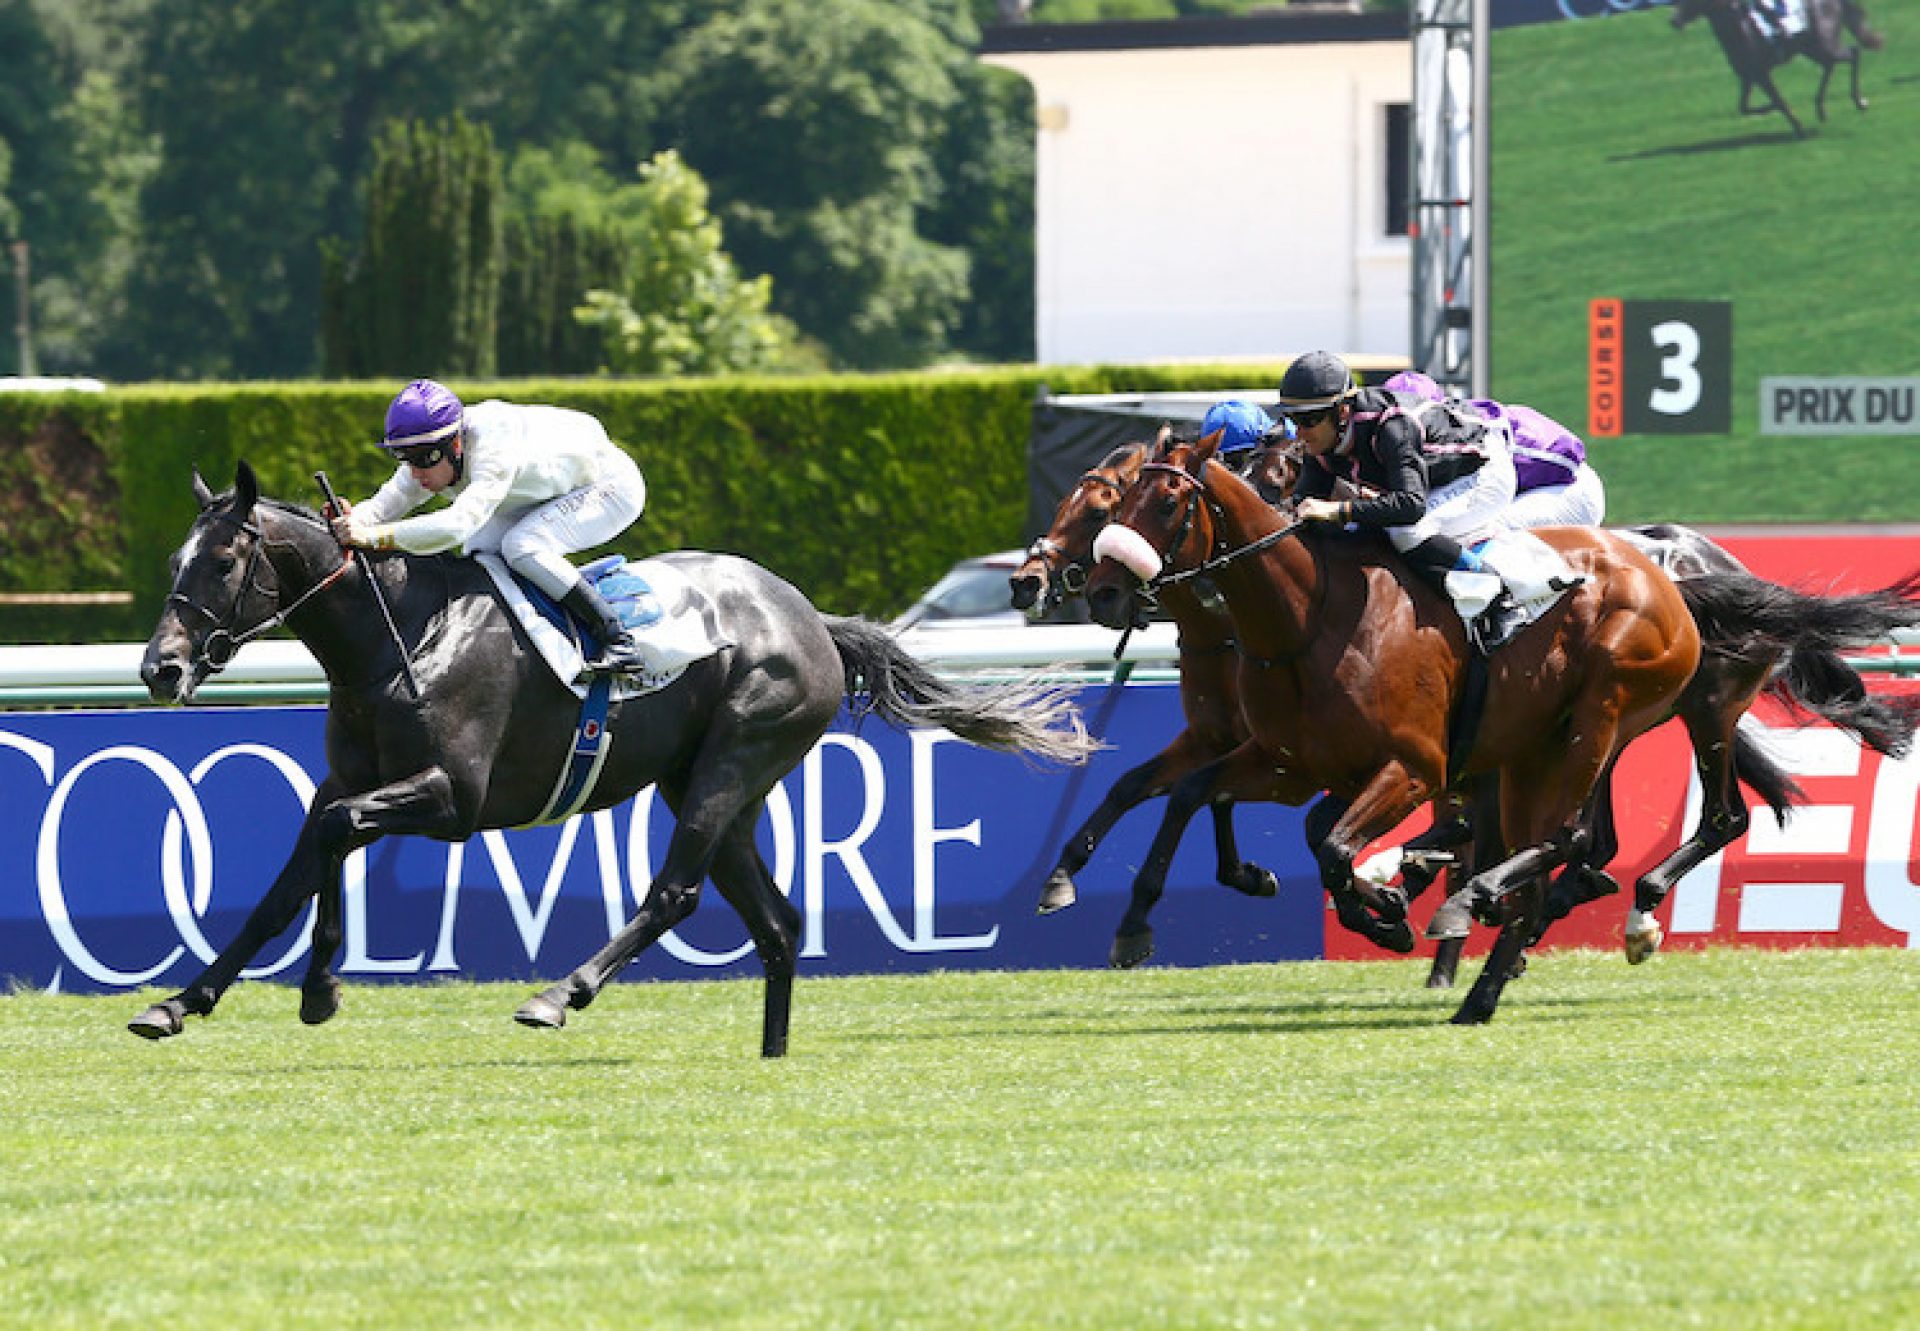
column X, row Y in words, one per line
column 1316, row 381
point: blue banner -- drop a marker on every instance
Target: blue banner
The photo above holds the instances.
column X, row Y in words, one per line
column 133, row 843
column 1511, row 13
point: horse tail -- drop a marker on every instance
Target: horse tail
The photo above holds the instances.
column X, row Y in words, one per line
column 1758, row 772
column 1749, row 619
column 1854, row 15
column 1015, row 716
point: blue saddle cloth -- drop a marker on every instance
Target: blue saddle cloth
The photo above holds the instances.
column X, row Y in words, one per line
column 619, row 584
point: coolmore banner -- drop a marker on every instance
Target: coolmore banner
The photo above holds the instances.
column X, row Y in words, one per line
column 133, row 843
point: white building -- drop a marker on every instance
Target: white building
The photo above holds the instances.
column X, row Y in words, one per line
column 1219, row 188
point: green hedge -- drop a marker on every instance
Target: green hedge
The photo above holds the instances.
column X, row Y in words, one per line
column 860, row 489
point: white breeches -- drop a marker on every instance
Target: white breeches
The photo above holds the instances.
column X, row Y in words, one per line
column 1582, row 502
column 536, row 541
column 1468, row 509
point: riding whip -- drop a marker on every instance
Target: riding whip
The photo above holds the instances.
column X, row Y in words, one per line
column 379, row 593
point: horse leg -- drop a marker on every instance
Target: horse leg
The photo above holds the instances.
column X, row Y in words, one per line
column 1585, row 878
column 744, row 881
column 1242, row 876
column 671, row 897
column 1245, row 774
column 1820, row 93
column 738, row 763
column 1504, row 962
column 1723, row 820
column 1859, row 102
column 335, row 826
column 1153, row 777
column 1392, row 793
column 320, row 989
column 1779, row 103
column 1133, row 940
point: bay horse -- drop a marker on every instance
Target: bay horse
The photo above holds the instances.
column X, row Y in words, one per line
column 1755, row 54
column 1351, row 672
column 1759, row 638
column 480, row 745
column 1055, row 569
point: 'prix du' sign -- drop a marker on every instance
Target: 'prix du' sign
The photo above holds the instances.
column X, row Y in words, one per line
column 1848, row 405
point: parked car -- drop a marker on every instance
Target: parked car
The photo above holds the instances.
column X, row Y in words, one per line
column 972, row 593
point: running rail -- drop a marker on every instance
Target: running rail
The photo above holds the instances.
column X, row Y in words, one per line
column 282, row 671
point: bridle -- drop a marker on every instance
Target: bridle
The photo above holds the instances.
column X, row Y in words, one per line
column 1188, row 514
column 1070, row 573
column 216, row 649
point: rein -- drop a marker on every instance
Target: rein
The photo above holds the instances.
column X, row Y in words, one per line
column 222, row 642
column 1218, row 561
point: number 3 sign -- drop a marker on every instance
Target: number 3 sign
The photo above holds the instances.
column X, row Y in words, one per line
column 1659, row 367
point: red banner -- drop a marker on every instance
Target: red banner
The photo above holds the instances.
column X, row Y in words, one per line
column 1842, row 872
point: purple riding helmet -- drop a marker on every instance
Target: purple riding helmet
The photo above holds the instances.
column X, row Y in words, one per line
column 1545, row 452
column 424, row 412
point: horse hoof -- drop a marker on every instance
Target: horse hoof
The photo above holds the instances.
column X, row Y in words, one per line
column 1642, row 946
column 1440, row 980
column 1396, row 937
column 1393, row 905
column 1058, row 894
column 318, row 1006
column 159, row 1021
column 1253, row 881
column 542, row 1013
column 1129, row 950
column 1470, row 1017
column 1453, row 920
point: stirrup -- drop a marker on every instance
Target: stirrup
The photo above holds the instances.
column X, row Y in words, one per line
column 1497, row 626
column 619, row 656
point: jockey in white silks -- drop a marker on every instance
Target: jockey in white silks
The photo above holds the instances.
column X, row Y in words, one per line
column 533, row 483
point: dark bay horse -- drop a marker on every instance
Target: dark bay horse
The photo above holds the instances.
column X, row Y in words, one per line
column 1351, row 671
column 1056, row 568
column 481, row 746
column 1754, row 53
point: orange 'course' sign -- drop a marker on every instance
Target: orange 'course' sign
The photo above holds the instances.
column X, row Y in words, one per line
column 1604, row 367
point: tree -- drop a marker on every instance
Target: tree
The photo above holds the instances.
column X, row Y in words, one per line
column 814, row 120
column 421, row 295
column 684, row 308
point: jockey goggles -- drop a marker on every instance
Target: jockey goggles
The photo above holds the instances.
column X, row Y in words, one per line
column 423, row 455
column 1305, row 418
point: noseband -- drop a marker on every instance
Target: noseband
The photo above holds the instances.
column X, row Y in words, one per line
column 1187, row 516
column 1072, row 573
column 216, row 649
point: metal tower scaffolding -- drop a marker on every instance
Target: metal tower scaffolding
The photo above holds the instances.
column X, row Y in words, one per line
column 1449, row 163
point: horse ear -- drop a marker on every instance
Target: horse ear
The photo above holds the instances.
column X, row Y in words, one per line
column 201, row 491
column 1160, row 440
column 1204, row 450
column 246, row 487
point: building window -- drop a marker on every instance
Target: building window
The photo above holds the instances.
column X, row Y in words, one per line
column 1399, row 165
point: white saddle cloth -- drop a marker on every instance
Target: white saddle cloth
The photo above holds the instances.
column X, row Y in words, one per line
column 687, row 630
column 1535, row 574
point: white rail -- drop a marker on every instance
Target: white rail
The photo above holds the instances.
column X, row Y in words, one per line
column 268, row 665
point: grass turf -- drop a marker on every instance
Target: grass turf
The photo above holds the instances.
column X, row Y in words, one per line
column 1729, row 1139
column 1620, row 168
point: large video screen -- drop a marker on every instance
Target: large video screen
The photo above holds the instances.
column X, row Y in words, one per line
column 1704, row 293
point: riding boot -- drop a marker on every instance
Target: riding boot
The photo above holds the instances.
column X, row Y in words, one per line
column 1458, row 572
column 619, row 649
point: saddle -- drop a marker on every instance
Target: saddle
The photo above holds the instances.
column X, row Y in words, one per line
column 1536, row 577
column 674, row 621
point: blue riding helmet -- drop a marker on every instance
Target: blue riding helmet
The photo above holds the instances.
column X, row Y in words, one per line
column 1245, row 425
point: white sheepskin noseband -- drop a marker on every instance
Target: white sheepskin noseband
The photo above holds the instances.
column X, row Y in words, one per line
column 1129, row 549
